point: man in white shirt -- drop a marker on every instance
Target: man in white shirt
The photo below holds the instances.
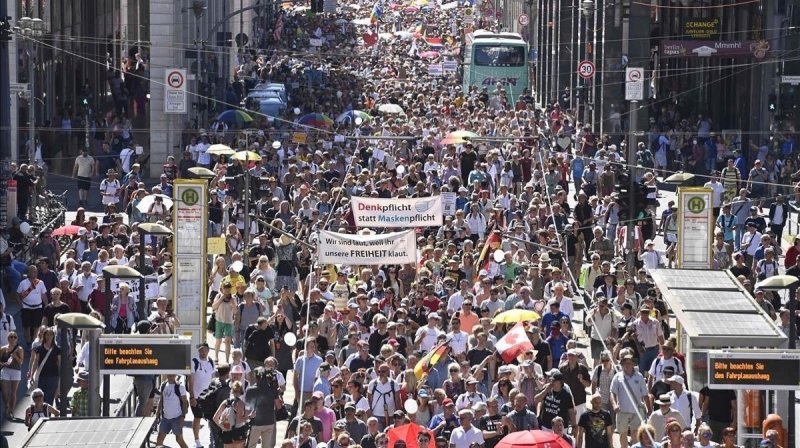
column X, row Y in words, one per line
column 383, row 396
column 109, row 188
column 471, row 396
column 84, row 284
column 457, row 298
column 717, row 190
column 172, row 407
column 684, row 401
column 84, row 170
column 751, row 241
column 458, row 339
column 427, row 336
column 202, row 374
column 466, row 435
column 126, row 159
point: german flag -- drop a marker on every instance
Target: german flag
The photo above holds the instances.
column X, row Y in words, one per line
column 491, row 244
column 426, row 362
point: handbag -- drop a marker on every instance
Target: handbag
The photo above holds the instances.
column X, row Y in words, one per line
column 34, row 382
column 281, row 410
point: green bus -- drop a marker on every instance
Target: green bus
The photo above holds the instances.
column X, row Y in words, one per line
column 493, row 58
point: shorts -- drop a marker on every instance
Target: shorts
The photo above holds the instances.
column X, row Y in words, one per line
column 235, row 434
column 597, row 348
column 222, row 330
column 8, row 374
column 84, row 183
column 173, row 425
column 627, row 421
column 32, row 317
column 197, row 411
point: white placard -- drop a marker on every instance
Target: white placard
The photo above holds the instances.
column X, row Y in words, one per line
column 175, row 91
column 397, row 213
column 449, row 203
column 634, row 84
column 435, row 70
column 367, row 250
column 450, row 66
column 150, row 286
column 695, row 228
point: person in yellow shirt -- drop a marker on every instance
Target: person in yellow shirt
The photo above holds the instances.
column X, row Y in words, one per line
column 234, row 277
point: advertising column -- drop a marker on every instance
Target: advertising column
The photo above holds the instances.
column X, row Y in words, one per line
column 190, row 215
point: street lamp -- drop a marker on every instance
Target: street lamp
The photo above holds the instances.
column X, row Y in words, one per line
column 91, row 328
column 588, row 11
column 147, row 228
column 31, row 30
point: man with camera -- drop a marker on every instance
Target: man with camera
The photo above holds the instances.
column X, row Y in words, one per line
column 163, row 319
column 261, row 398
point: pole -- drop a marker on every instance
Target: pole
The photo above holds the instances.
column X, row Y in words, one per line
column 106, row 396
column 792, row 345
column 109, row 297
column 6, row 150
column 246, row 197
column 94, row 370
column 64, row 367
column 601, row 73
column 31, row 102
column 140, row 306
column 631, row 262
column 576, row 17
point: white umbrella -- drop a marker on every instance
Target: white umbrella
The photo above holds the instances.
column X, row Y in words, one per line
column 404, row 34
column 777, row 282
column 144, row 205
column 364, row 21
column 386, row 36
column 390, row 108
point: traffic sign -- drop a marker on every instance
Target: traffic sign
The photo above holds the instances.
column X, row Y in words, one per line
column 634, row 84
column 523, row 19
column 17, row 87
column 586, row 69
column 175, row 91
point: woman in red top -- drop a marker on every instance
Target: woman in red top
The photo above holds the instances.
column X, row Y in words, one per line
column 792, row 253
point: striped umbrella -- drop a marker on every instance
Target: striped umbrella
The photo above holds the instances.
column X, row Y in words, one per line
column 351, row 115
column 316, row 120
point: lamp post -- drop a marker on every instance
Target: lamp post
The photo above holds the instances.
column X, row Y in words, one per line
column 587, row 9
column 31, row 30
column 109, row 272
column 147, row 228
column 91, row 328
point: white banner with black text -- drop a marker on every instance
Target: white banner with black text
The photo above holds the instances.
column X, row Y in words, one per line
column 387, row 248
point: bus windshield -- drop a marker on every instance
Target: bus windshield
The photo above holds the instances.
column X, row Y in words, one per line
column 498, row 55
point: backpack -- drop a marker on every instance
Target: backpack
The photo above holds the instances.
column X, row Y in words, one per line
column 207, row 401
column 228, row 415
column 391, row 392
column 177, row 394
column 196, row 364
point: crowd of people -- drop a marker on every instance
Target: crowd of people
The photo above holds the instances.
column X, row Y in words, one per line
column 547, row 206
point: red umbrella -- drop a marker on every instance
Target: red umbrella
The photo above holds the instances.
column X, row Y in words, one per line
column 533, row 439
column 66, row 230
column 408, row 434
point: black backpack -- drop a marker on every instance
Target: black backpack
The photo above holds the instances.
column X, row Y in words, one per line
column 207, row 401
column 177, row 394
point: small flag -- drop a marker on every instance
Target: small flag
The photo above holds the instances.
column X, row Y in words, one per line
column 514, row 343
column 424, row 365
column 493, row 242
column 377, row 13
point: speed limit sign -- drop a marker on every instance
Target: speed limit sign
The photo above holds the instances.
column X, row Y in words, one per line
column 523, row 19
column 586, row 69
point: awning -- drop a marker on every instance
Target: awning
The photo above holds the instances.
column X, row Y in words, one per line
column 715, row 310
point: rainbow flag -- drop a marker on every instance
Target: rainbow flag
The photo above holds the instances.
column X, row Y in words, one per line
column 377, row 13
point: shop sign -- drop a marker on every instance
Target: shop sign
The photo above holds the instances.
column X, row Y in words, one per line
column 716, row 49
column 701, row 28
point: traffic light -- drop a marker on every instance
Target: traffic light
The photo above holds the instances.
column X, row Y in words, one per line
column 5, row 28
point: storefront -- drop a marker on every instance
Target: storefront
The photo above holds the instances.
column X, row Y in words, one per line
column 716, row 318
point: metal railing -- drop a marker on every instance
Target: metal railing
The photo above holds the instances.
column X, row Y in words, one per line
column 127, row 406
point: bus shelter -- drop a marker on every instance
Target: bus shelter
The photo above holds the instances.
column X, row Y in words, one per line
column 717, row 317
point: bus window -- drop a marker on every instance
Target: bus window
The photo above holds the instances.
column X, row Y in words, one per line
column 499, row 56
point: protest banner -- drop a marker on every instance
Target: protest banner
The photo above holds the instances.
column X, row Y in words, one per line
column 397, row 213
column 449, row 203
column 387, row 248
